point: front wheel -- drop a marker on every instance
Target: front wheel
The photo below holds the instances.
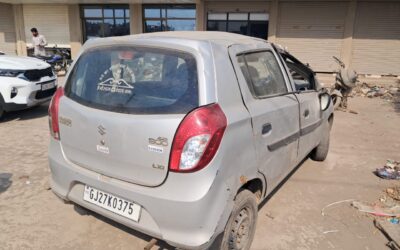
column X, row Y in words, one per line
column 321, row 151
column 241, row 226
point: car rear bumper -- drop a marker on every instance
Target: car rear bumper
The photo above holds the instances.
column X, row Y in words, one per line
column 187, row 210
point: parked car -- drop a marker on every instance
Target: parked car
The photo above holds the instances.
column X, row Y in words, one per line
column 181, row 135
column 24, row 82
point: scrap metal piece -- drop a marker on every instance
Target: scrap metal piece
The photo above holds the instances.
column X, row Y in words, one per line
column 151, row 244
column 391, row 231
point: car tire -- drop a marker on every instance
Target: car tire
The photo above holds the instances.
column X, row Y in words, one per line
column 1, row 107
column 241, row 226
column 321, row 151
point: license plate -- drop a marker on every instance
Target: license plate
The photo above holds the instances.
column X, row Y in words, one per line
column 49, row 85
column 112, row 203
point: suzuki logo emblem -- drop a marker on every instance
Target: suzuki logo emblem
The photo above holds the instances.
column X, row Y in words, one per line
column 101, row 130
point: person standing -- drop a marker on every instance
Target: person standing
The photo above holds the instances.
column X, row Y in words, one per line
column 38, row 42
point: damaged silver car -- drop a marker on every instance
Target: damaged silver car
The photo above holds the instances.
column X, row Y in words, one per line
column 180, row 135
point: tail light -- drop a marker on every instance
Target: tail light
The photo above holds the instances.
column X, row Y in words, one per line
column 197, row 139
column 53, row 114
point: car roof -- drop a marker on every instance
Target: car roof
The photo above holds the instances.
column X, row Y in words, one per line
column 224, row 39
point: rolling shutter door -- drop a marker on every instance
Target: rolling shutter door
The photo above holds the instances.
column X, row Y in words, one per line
column 7, row 29
column 50, row 20
column 376, row 39
column 312, row 31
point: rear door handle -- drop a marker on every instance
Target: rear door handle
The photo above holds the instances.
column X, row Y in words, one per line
column 266, row 128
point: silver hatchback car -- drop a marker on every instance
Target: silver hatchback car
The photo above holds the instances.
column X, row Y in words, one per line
column 181, row 135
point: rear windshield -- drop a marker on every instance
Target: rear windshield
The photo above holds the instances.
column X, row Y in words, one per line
column 135, row 80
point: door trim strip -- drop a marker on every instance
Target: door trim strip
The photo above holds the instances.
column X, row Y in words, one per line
column 310, row 128
column 285, row 141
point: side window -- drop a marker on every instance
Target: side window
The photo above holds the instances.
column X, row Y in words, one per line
column 263, row 74
column 302, row 76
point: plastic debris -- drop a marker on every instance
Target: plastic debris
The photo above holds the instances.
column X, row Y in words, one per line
column 388, row 93
column 390, row 171
column 330, row 231
column 377, row 210
column 334, row 203
column 394, row 221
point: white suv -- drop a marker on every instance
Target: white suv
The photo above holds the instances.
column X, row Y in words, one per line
column 24, row 82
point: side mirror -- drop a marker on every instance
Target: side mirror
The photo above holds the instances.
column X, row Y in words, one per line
column 324, row 100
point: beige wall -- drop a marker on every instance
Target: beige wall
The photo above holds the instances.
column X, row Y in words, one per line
column 75, row 29
column 136, row 20
column 322, row 29
column 7, row 29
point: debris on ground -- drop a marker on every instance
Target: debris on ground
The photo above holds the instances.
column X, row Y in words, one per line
column 394, row 193
column 5, row 181
column 391, row 231
column 377, row 210
column 347, row 110
column 388, row 204
column 390, row 171
column 390, row 93
column 269, row 215
column 394, row 221
column 386, row 214
column 335, row 203
column 26, row 178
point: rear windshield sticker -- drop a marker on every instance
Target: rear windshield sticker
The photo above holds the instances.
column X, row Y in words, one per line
column 115, row 80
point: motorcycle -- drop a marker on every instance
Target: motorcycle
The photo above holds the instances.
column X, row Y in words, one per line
column 59, row 61
column 345, row 81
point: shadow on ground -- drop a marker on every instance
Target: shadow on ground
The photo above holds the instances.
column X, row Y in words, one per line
column 160, row 244
column 27, row 114
column 5, row 181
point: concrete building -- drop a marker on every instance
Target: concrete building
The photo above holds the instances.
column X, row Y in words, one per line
column 364, row 34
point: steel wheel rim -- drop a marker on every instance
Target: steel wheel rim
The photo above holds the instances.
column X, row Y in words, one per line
column 240, row 234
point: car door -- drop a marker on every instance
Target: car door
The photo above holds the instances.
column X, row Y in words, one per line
column 305, row 83
column 274, row 109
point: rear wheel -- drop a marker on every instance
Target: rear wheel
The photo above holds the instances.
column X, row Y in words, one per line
column 321, row 151
column 241, row 226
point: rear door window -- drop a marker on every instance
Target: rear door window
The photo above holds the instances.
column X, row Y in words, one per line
column 135, row 80
column 263, row 74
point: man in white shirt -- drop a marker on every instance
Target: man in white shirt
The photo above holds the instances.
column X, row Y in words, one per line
column 38, row 42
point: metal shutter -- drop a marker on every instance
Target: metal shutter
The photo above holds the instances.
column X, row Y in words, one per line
column 376, row 39
column 312, row 31
column 7, row 29
column 50, row 20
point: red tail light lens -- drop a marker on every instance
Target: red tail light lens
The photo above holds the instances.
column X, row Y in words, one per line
column 197, row 139
column 53, row 114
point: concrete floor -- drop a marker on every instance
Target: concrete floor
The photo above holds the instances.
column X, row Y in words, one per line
column 31, row 217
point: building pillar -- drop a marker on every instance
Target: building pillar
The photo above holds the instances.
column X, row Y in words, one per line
column 136, row 18
column 19, row 29
column 200, row 15
column 348, row 33
column 75, row 29
column 273, row 21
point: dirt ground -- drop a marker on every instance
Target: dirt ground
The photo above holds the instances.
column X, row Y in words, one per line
column 31, row 217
